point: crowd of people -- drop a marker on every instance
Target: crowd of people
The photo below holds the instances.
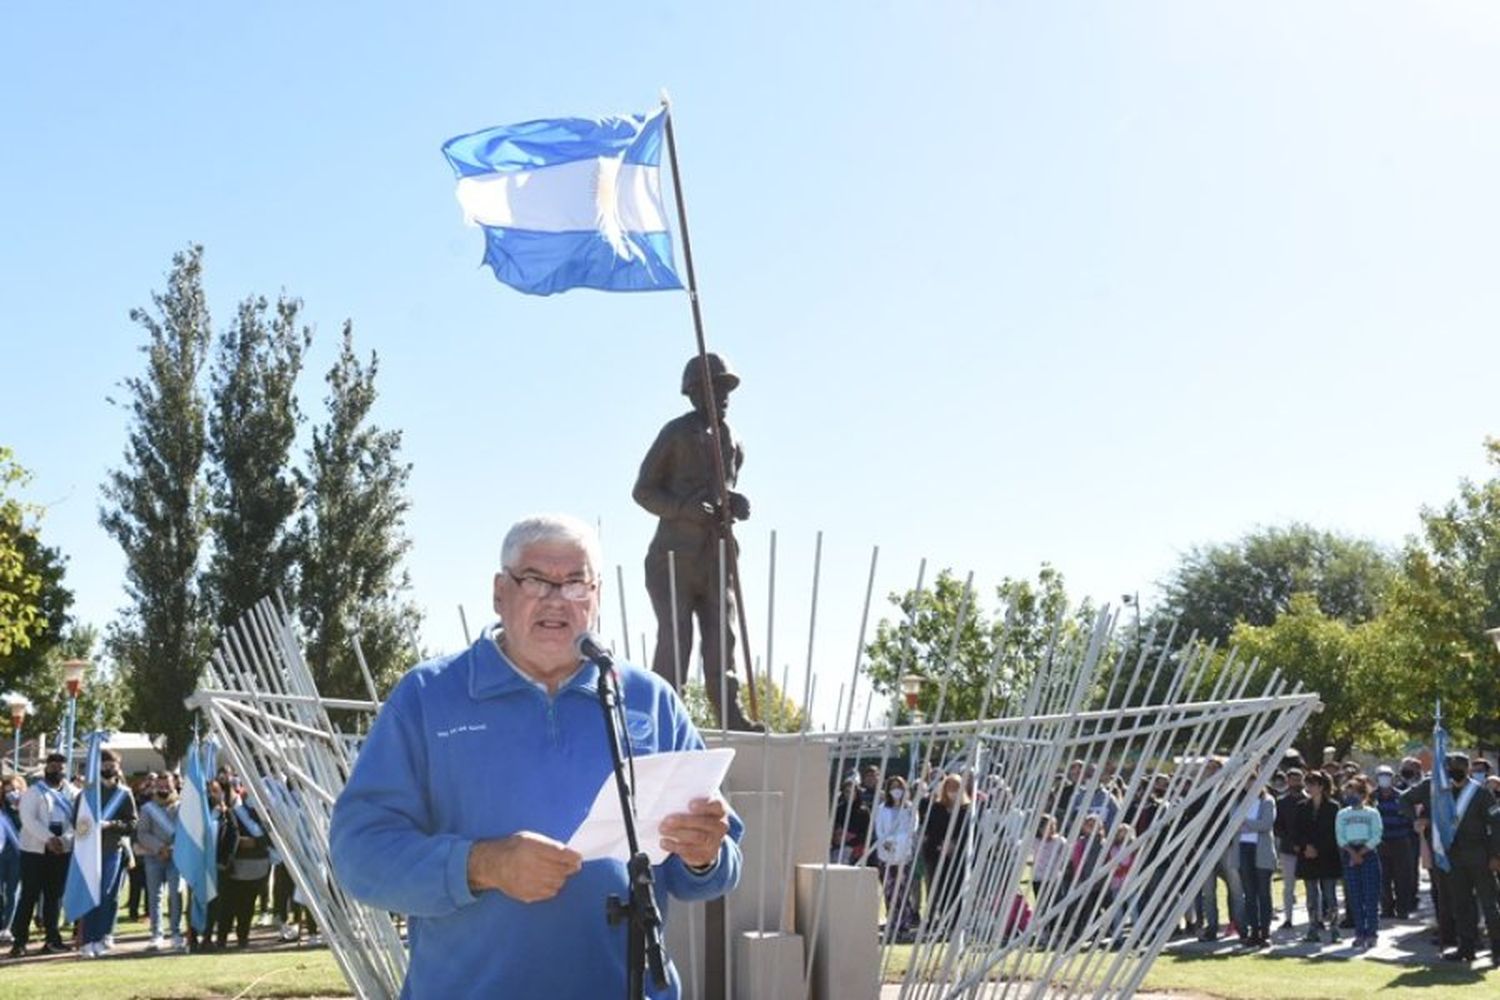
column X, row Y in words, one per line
column 1356, row 839
column 138, row 828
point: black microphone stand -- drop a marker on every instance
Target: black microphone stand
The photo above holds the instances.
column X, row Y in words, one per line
column 643, row 945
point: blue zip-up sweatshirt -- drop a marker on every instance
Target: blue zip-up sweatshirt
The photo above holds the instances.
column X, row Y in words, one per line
column 466, row 749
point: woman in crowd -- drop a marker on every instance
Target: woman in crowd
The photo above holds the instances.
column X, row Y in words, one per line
column 943, row 847
column 1257, row 860
column 249, row 871
column 153, row 839
column 1048, row 852
column 226, row 840
column 1315, row 837
column 895, row 840
column 851, row 823
column 1119, row 858
column 10, row 852
column 1358, row 830
column 1080, row 874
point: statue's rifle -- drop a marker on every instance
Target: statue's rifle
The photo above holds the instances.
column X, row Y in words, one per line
column 725, row 518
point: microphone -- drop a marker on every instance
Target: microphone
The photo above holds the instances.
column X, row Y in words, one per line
column 589, row 648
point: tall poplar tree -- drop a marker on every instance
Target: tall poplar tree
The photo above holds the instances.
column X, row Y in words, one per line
column 252, row 424
column 155, row 507
column 351, row 537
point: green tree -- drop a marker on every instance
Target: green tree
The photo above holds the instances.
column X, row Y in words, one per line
column 20, row 583
column 1446, row 596
column 350, row 537
column 986, row 658
column 251, row 428
column 154, row 507
column 777, row 709
column 25, row 669
column 1348, row 666
column 1252, row 580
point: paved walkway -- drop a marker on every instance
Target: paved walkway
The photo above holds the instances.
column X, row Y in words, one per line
column 131, row 942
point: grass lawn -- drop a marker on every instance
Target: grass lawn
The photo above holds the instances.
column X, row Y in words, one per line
column 249, row 974
column 1260, row 977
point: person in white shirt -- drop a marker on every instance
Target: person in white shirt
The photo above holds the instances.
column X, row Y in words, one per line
column 46, row 850
column 896, row 841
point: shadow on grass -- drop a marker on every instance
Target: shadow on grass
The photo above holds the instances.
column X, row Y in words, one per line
column 1415, row 979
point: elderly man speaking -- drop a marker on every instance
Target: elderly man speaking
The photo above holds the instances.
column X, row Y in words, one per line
column 479, row 768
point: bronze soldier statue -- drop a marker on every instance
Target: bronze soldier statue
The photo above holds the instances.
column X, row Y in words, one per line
column 677, row 483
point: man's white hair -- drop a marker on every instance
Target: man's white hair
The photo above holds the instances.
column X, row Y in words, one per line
column 563, row 528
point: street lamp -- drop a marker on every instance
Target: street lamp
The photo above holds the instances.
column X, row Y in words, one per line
column 73, row 672
column 18, row 706
column 911, row 690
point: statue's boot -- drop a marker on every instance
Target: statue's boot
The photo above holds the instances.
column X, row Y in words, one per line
column 737, row 721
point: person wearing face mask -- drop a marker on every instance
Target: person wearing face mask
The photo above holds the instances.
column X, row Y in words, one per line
column 116, row 822
column 895, row 839
column 1359, row 832
column 1286, row 805
column 1467, row 888
column 153, row 840
column 46, row 850
column 10, row 853
column 1398, row 849
column 1314, row 834
column 226, row 839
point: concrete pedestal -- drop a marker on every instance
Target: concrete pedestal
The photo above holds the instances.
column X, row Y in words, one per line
column 838, row 914
column 767, row 966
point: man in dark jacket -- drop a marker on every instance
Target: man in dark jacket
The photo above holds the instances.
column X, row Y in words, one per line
column 1468, row 886
column 1398, row 843
column 1286, row 804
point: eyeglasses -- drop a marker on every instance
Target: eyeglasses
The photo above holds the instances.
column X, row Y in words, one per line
column 539, row 586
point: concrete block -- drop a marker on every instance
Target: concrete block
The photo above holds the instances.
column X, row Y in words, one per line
column 767, row 966
column 838, row 914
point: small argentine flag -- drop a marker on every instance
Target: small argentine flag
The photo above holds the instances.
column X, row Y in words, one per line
column 569, row 202
column 195, row 846
column 1440, row 798
column 81, row 894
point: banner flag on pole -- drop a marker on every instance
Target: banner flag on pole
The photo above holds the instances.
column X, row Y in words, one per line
column 195, row 847
column 569, row 202
column 82, row 891
column 1444, row 818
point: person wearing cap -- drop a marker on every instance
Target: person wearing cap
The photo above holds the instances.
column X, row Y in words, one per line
column 1467, row 889
column 499, row 905
column 1398, row 848
column 678, row 482
column 46, row 850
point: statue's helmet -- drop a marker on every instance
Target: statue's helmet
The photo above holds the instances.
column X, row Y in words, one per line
column 723, row 376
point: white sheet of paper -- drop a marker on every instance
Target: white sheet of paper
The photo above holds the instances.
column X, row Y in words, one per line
column 664, row 785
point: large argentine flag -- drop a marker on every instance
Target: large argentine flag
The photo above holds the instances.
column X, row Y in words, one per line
column 569, row 202
column 195, row 845
column 81, row 893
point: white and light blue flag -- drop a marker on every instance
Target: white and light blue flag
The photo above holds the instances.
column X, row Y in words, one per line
column 82, row 890
column 1440, row 797
column 195, row 844
column 569, row 202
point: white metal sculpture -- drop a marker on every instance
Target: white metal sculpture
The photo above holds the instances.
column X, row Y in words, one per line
column 1093, row 935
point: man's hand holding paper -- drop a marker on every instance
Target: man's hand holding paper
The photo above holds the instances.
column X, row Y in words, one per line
column 677, row 805
column 695, row 836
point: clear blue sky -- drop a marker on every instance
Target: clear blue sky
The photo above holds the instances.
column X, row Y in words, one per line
column 1087, row 283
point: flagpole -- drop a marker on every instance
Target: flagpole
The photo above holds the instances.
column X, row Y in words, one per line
column 726, row 520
